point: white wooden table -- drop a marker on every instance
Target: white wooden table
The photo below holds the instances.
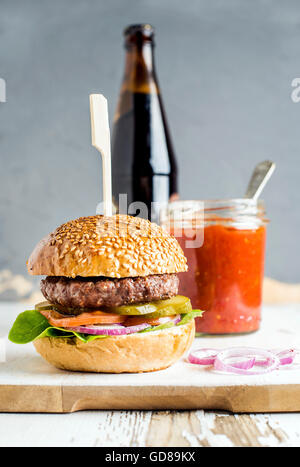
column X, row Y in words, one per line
column 145, row 428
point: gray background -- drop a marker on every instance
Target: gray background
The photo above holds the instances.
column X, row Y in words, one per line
column 225, row 70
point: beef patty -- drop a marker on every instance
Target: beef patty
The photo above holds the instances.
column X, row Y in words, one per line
column 95, row 292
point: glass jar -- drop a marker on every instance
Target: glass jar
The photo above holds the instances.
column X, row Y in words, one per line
column 224, row 242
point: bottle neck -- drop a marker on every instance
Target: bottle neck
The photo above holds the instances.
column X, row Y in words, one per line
column 139, row 69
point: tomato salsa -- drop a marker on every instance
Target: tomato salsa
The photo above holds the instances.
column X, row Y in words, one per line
column 225, row 275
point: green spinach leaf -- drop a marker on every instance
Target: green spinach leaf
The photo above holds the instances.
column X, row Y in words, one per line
column 31, row 325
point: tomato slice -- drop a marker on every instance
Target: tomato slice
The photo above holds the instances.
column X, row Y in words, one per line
column 96, row 317
column 135, row 321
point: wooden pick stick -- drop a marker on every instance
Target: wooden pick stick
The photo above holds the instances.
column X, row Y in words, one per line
column 101, row 141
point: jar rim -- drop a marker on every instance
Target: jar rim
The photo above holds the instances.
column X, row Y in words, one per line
column 238, row 211
column 219, row 202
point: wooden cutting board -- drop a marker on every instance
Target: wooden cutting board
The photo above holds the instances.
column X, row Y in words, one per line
column 28, row 384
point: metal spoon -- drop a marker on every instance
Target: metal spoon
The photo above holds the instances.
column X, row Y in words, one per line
column 259, row 179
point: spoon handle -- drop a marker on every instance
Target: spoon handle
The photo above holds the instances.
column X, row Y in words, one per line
column 259, row 178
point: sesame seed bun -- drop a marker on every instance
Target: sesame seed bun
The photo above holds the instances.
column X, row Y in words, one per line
column 116, row 246
column 134, row 353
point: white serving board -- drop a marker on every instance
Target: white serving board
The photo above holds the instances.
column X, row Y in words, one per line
column 29, row 384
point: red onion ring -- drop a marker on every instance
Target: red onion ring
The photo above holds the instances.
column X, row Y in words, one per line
column 112, row 330
column 139, row 327
column 210, row 355
column 207, row 358
column 251, row 357
column 286, row 357
column 221, row 361
column 177, row 319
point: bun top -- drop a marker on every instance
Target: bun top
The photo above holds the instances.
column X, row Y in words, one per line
column 116, row 246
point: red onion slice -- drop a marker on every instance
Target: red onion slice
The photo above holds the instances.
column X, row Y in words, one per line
column 99, row 330
column 137, row 328
column 203, row 356
column 111, row 330
column 207, row 357
column 223, row 361
column 286, row 357
column 268, row 359
column 177, row 319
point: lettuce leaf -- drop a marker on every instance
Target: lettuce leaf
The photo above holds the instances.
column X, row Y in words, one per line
column 31, row 325
column 188, row 316
column 159, row 327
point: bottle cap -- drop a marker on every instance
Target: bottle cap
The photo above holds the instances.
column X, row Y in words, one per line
column 139, row 32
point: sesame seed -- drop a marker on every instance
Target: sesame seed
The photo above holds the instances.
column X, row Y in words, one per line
column 133, row 246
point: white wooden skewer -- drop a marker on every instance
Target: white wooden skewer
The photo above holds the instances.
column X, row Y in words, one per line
column 101, row 141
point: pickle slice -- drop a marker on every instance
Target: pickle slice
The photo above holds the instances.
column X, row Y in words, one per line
column 171, row 306
column 170, row 311
column 44, row 306
column 134, row 309
column 63, row 310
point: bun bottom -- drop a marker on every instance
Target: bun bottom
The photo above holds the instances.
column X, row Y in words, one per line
column 134, row 353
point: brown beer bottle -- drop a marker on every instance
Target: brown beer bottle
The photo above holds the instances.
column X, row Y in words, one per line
column 143, row 161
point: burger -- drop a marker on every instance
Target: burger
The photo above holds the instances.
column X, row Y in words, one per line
column 112, row 302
